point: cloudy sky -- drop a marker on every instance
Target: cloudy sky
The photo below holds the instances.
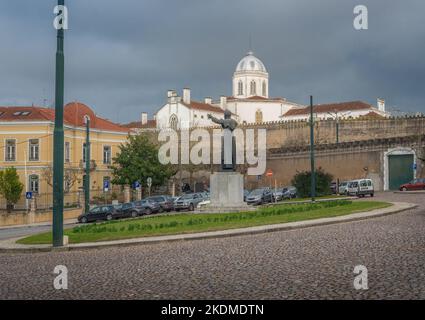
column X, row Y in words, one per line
column 122, row 56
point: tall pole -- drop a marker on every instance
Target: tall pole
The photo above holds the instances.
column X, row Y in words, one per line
column 313, row 174
column 58, row 141
column 337, row 128
column 87, row 175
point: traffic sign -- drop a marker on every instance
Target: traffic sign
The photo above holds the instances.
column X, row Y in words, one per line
column 106, row 185
column 149, row 182
column 137, row 185
column 28, row 195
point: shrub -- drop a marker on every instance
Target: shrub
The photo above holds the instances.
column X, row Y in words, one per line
column 10, row 187
column 302, row 181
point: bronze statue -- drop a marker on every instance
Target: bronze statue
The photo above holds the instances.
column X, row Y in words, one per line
column 227, row 141
column 227, row 122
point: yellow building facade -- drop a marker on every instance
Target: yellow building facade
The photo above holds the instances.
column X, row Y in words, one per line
column 26, row 140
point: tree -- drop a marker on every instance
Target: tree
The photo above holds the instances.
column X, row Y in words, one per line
column 302, row 181
column 10, row 187
column 71, row 176
column 137, row 160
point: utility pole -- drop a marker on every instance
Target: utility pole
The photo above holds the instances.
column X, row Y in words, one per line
column 313, row 174
column 58, row 141
column 87, row 175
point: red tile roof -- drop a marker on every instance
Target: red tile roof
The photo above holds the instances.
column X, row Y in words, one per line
column 255, row 98
column 203, row 106
column 139, row 125
column 332, row 107
column 372, row 115
column 74, row 114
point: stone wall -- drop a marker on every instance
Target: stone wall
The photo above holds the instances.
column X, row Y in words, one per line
column 20, row 218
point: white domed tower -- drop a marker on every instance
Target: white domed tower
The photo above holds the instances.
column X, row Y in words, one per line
column 250, row 78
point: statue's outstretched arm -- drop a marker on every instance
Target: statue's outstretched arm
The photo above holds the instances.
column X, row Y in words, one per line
column 214, row 119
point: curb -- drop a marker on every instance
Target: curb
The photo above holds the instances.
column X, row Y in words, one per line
column 9, row 246
column 410, row 192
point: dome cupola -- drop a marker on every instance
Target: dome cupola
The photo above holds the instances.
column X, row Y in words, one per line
column 250, row 78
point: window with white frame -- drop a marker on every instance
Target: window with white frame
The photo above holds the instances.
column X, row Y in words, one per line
column 34, row 183
column 10, row 150
column 106, row 154
column 240, row 88
column 67, row 152
column 34, row 150
column 253, row 90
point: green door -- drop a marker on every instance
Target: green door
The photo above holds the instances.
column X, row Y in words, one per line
column 400, row 170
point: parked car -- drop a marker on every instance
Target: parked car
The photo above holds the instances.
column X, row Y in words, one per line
column 416, row 184
column 260, row 196
column 289, row 193
column 245, row 194
column 147, row 206
column 360, row 188
column 129, row 210
column 342, row 189
column 188, row 201
column 107, row 212
column 333, row 187
column 166, row 203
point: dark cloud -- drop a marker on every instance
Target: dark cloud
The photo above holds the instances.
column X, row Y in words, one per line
column 122, row 56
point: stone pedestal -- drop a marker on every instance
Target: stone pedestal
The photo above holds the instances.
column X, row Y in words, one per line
column 139, row 194
column 31, row 214
column 226, row 193
column 126, row 194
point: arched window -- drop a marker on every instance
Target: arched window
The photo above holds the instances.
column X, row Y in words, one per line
column 173, row 122
column 240, row 88
column 258, row 116
column 264, row 89
column 253, row 88
column 34, row 184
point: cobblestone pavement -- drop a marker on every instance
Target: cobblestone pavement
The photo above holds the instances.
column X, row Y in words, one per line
column 311, row 263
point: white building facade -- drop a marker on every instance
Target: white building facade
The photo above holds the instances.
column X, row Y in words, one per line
column 250, row 103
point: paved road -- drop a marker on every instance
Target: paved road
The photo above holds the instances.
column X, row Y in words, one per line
column 13, row 232
column 312, row 263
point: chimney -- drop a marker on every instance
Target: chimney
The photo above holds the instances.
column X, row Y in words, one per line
column 186, row 95
column 144, row 118
column 171, row 96
column 223, row 102
column 381, row 105
column 208, row 100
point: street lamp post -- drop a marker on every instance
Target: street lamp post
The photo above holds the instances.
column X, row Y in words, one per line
column 58, row 141
column 87, row 175
column 313, row 174
column 337, row 115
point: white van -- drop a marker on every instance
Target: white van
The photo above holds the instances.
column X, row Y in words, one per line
column 360, row 188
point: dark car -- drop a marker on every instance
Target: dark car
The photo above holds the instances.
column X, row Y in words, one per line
column 333, row 187
column 284, row 193
column 416, row 184
column 107, row 212
column 289, row 193
column 166, row 203
column 129, row 210
column 260, row 196
column 245, row 194
column 147, row 206
column 188, row 201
